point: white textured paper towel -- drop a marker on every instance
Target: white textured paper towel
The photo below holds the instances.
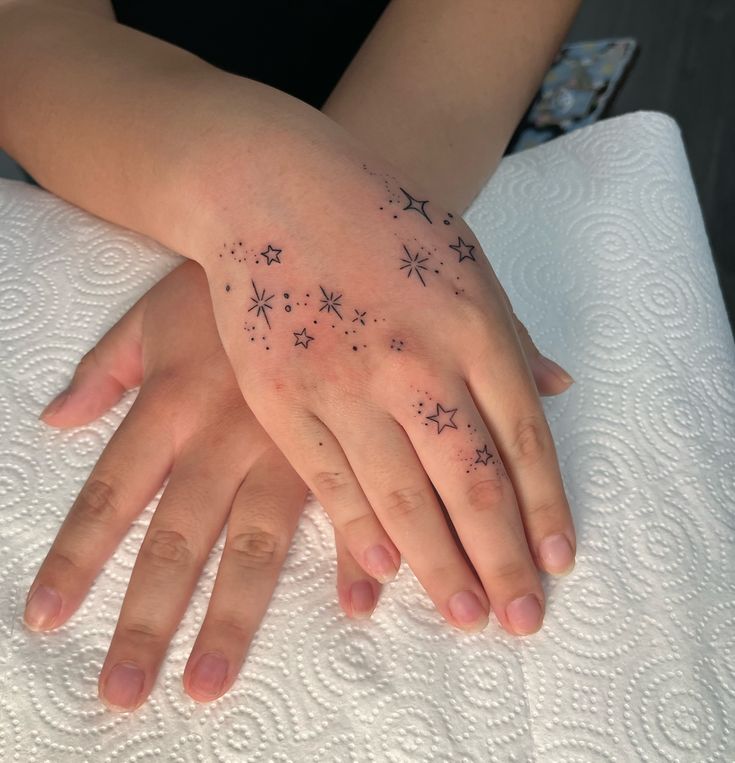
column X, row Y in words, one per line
column 599, row 241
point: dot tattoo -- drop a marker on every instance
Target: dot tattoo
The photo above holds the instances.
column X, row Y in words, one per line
column 413, row 264
column 261, row 303
column 465, row 251
column 303, row 339
column 331, row 303
column 415, row 205
column 443, row 418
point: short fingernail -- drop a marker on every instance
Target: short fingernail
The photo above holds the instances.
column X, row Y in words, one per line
column 380, row 564
column 467, row 611
column 362, row 598
column 123, row 686
column 556, row 555
column 42, row 608
column 524, row 614
column 56, row 404
column 556, row 369
column 209, row 674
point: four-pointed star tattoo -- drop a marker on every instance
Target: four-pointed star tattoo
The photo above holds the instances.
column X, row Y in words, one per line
column 483, row 456
column 443, row 418
column 302, row 338
column 465, row 251
column 415, row 205
column 271, row 255
column 261, row 303
column 359, row 316
column 413, row 264
column 331, row 303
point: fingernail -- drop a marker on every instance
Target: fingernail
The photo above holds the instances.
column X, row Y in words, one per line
column 56, row 404
column 123, row 686
column 524, row 614
column 362, row 599
column 556, row 555
column 380, row 564
column 209, row 674
column 556, row 369
column 467, row 611
column 42, row 608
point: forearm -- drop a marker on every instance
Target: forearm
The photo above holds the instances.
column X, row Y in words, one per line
column 438, row 88
column 115, row 121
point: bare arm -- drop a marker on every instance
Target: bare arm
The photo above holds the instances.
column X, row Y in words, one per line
column 438, row 87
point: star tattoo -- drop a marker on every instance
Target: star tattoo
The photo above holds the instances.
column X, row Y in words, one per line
column 261, row 303
column 413, row 264
column 415, row 205
column 443, row 418
column 271, row 255
column 465, row 251
column 331, row 303
column 359, row 317
column 483, row 456
column 302, row 338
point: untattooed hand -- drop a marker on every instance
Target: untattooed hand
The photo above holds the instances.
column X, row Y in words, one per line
column 374, row 343
column 188, row 421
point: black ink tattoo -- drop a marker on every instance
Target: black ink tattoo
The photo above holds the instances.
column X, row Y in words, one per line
column 413, row 264
column 443, row 418
column 415, row 205
column 331, row 303
column 483, row 455
column 302, row 338
column 465, row 251
column 359, row 317
column 397, row 345
column 261, row 303
column 271, row 255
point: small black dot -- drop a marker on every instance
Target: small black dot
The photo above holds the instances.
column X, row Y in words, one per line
column 354, row 348
column 320, row 444
column 395, row 217
column 315, row 322
column 446, row 222
column 285, row 295
column 288, row 308
column 227, row 287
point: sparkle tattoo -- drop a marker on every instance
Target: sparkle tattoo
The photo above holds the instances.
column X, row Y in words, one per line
column 261, row 303
column 443, row 418
column 359, row 317
column 413, row 264
column 465, row 251
column 331, row 303
column 414, row 205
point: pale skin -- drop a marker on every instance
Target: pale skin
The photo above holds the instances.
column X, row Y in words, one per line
column 370, row 428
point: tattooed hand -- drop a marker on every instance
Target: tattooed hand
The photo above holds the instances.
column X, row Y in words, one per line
column 374, row 343
column 188, row 420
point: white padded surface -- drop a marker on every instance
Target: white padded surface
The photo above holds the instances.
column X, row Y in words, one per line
column 598, row 238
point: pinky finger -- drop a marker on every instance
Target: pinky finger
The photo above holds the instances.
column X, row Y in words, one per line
column 262, row 523
column 358, row 593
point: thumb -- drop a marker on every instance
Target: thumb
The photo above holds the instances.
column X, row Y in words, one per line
column 110, row 368
column 550, row 377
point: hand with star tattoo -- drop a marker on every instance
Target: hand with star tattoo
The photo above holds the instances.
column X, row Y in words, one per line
column 382, row 356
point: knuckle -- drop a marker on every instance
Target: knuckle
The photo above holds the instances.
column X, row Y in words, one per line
column 405, row 502
column 486, row 495
column 531, row 442
column 257, row 548
column 61, row 563
column 167, row 548
column 95, row 503
column 140, row 632
column 510, row 573
column 544, row 510
column 330, row 483
column 232, row 625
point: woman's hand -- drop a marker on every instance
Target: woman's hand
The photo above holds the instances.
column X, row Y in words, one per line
column 374, row 343
column 189, row 421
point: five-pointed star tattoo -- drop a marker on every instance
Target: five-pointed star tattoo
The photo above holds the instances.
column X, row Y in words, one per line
column 271, row 255
column 483, row 456
column 465, row 251
column 415, row 205
column 413, row 263
column 443, row 418
column 302, row 338
column 359, row 316
column 260, row 303
column 331, row 303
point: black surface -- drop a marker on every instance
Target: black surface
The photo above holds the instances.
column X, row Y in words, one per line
column 685, row 68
